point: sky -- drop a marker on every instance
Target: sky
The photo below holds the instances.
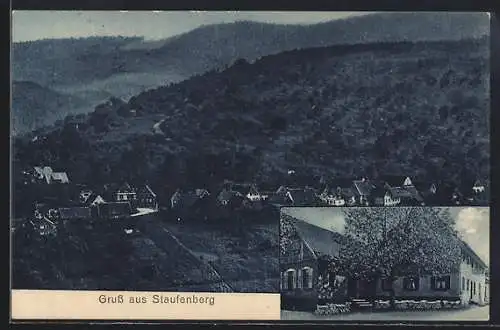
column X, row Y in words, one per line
column 152, row 25
column 473, row 223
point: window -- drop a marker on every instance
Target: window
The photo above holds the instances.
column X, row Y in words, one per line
column 463, row 283
column 440, row 283
column 473, row 287
column 468, row 281
column 386, row 284
column 306, row 278
column 411, row 283
column 290, row 279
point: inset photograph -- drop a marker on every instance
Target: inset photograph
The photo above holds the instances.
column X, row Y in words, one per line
column 384, row 263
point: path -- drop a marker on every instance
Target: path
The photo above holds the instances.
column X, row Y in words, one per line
column 212, row 275
column 165, row 239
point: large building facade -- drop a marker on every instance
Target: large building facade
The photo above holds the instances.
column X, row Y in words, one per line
column 306, row 281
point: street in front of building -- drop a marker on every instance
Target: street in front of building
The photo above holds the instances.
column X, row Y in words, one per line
column 473, row 313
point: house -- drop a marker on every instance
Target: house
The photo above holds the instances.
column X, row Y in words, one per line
column 74, row 212
column 187, row 199
column 114, row 210
column 246, row 190
column 302, row 197
column 362, row 190
column 84, row 195
column 426, row 189
column 475, row 192
column 47, row 175
column 59, row 177
column 229, row 198
column 125, row 193
column 307, row 281
column 339, row 192
column 402, row 188
column 303, row 270
column 385, row 196
column 43, row 173
column 466, row 283
column 43, row 226
column 446, row 195
column 146, row 198
column 93, row 200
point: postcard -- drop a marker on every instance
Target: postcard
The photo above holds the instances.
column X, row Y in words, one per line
column 154, row 151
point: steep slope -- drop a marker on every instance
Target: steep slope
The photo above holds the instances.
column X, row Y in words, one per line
column 34, row 106
column 420, row 109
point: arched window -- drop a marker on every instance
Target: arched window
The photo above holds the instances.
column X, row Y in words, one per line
column 307, row 278
column 290, row 279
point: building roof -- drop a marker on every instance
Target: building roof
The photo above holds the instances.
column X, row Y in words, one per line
column 423, row 186
column 74, row 212
column 302, row 196
column 91, row 199
column 321, row 241
column 242, row 188
column 146, row 189
column 468, row 249
column 115, row 208
column 125, row 187
column 60, row 176
column 363, row 187
column 394, row 180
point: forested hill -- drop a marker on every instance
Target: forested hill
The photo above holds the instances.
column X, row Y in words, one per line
column 420, row 109
column 97, row 67
column 34, row 106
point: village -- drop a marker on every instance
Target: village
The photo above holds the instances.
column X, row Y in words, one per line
column 55, row 197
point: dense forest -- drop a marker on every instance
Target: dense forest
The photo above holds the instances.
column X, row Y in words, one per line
column 98, row 67
column 419, row 109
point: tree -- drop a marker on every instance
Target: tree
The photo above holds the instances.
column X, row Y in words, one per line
column 392, row 242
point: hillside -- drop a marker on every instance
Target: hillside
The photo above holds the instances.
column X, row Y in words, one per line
column 420, row 109
column 35, row 106
column 122, row 66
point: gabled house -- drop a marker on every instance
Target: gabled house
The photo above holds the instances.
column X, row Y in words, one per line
column 426, row 189
column 93, row 200
column 362, row 191
column 43, row 226
column 306, row 281
column 446, row 195
column 303, row 197
column 59, row 177
column 303, row 272
column 339, row 192
column 187, row 199
column 84, row 195
column 475, row 192
column 125, row 193
column 246, row 190
column 402, row 188
column 146, row 198
column 43, row 173
column 229, row 198
column 382, row 195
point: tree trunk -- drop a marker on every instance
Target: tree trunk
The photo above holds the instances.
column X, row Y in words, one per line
column 392, row 291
